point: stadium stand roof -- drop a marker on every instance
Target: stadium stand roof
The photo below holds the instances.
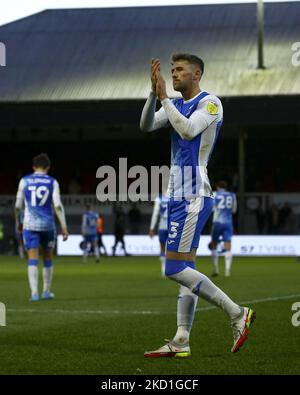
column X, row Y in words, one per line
column 102, row 54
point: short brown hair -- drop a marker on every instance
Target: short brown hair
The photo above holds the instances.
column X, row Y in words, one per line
column 41, row 160
column 222, row 184
column 193, row 59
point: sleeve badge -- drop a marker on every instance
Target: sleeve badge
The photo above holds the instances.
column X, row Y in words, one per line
column 212, row 108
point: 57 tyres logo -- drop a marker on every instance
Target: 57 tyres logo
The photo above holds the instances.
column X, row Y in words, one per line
column 247, row 249
column 2, row 314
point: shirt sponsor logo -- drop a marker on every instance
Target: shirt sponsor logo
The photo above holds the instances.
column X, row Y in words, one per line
column 174, row 230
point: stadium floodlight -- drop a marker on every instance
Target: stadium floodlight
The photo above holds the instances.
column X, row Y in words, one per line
column 260, row 33
column 2, row 54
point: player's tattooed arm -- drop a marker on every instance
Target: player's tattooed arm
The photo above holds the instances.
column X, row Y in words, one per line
column 161, row 90
column 151, row 120
column 60, row 212
column 155, row 67
column 17, row 219
column 19, row 205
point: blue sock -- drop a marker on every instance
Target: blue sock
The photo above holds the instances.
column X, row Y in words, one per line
column 48, row 263
column 33, row 262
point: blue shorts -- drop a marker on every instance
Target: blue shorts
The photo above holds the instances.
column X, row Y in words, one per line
column 224, row 230
column 186, row 219
column 35, row 239
column 163, row 236
column 90, row 238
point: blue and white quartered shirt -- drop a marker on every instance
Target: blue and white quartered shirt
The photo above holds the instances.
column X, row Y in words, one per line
column 40, row 192
column 89, row 223
column 196, row 124
column 224, row 206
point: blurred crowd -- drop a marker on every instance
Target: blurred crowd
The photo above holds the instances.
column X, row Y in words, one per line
column 277, row 219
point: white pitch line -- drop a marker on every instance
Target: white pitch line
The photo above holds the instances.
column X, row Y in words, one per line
column 146, row 312
column 255, row 301
column 100, row 312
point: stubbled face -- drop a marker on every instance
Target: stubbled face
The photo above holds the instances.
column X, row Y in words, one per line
column 184, row 75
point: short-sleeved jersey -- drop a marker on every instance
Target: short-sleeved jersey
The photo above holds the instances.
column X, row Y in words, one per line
column 37, row 191
column 189, row 158
column 224, row 207
column 90, row 223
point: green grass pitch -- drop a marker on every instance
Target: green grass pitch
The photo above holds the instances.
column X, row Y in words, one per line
column 106, row 315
